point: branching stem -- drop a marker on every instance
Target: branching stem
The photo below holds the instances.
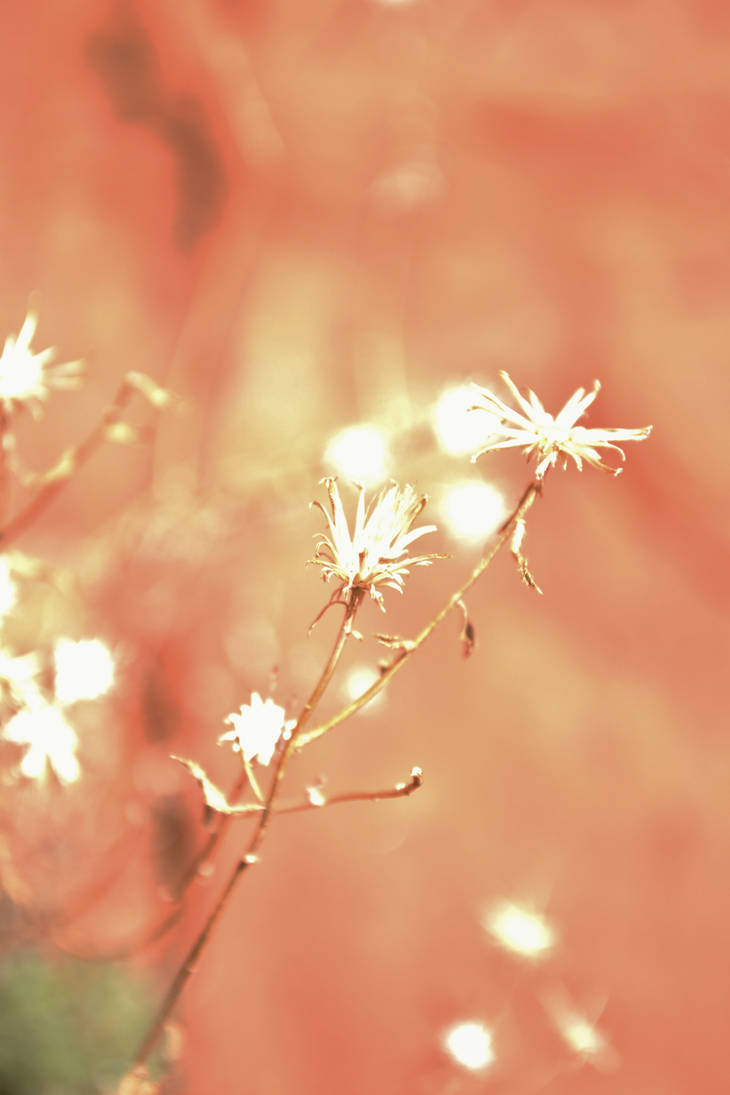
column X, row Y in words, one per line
column 187, row 968
column 504, row 535
column 298, row 738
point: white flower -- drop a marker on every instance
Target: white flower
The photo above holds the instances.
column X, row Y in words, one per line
column 547, row 437
column 50, row 740
column 257, row 729
column 376, row 554
column 25, row 376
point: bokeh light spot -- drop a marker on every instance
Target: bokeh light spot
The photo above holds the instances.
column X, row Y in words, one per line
column 470, row 1045
column 359, row 453
column 580, row 1034
column 459, row 430
column 472, row 510
column 518, row 929
column 356, row 681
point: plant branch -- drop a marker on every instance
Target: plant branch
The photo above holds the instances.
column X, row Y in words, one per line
column 70, row 461
column 504, row 535
column 401, row 790
column 249, row 857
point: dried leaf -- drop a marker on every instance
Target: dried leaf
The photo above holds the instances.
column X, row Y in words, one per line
column 516, row 548
column 214, row 798
column 468, row 634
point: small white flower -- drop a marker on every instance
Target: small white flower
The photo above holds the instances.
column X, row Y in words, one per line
column 50, row 740
column 26, row 376
column 257, row 729
column 376, row 553
column 546, row 437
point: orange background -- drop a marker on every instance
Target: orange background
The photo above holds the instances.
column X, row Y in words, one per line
column 300, row 216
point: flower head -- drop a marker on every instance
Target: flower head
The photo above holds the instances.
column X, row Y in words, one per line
column 25, row 376
column 257, row 729
column 546, row 437
column 376, row 553
column 50, row 741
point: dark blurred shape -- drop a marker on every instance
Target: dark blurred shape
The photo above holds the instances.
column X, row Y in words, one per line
column 125, row 59
column 200, row 176
column 173, row 842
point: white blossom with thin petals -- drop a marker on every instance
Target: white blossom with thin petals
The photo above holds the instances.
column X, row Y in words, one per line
column 546, row 437
column 376, row 552
column 257, row 729
column 27, row 376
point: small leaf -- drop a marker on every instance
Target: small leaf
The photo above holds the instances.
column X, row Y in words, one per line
column 214, row 798
column 468, row 634
column 516, row 548
column 396, row 642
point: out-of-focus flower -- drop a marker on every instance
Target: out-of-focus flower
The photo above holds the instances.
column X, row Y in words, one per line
column 50, row 740
column 519, row 929
column 376, row 553
column 546, row 437
column 84, row 670
column 26, row 376
column 257, row 729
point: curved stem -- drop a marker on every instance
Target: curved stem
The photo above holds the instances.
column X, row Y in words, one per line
column 66, row 467
column 505, row 532
column 190, row 961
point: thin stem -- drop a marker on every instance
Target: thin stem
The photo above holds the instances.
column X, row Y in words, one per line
column 401, row 790
column 70, row 462
column 168, row 921
column 249, row 857
column 505, row 532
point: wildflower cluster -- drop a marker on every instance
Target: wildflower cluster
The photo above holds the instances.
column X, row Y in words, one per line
column 37, row 688
column 363, row 557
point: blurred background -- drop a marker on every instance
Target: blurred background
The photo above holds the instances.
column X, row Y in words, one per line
column 303, row 218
